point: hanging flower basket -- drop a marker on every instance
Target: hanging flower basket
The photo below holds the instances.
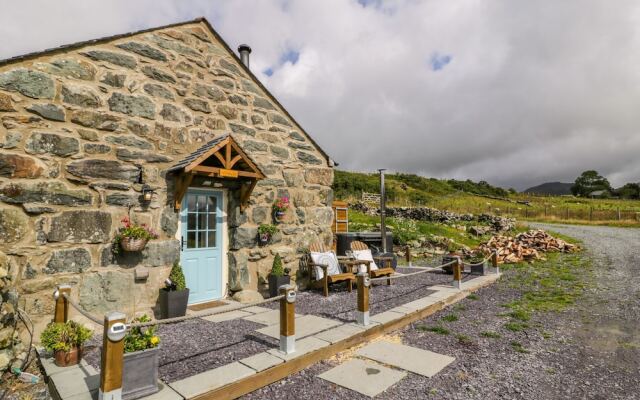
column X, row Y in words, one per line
column 280, row 207
column 133, row 244
column 265, row 232
column 133, row 237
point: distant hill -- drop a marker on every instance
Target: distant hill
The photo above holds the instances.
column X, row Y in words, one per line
column 551, row 188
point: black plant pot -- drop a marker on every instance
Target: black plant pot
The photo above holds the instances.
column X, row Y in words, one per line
column 173, row 303
column 275, row 282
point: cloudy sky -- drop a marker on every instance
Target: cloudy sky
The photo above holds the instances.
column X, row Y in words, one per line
column 512, row 92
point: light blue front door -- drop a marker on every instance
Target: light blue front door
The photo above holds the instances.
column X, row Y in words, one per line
column 201, row 255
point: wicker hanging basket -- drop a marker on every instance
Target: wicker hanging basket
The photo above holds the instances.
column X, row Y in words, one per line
column 133, row 244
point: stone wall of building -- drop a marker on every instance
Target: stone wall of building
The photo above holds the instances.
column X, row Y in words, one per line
column 83, row 128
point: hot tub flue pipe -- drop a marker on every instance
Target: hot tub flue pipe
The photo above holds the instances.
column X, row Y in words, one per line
column 383, row 212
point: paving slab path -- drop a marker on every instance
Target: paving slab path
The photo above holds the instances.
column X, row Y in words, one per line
column 589, row 351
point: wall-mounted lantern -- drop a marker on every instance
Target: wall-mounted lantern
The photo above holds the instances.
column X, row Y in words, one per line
column 147, row 193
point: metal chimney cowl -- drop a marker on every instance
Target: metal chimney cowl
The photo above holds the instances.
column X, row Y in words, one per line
column 244, row 51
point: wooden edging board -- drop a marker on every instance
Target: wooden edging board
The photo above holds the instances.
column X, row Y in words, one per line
column 280, row 371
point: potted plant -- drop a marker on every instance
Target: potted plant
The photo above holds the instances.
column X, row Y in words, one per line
column 266, row 232
column 452, row 255
column 133, row 237
column 175, row 295
column 280, row 207
column 65, row 340
column 140, row 369
column 279, row 276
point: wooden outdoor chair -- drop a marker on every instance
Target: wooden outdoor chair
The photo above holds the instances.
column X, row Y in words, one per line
column 383, row 262
column 327, row 279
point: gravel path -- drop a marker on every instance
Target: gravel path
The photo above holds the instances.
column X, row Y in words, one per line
column 194, row 346
column 589, row 351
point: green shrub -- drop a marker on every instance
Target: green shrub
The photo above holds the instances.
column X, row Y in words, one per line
column 64, row 336
column 138, row 339
column 490, row 334
column 515, row 326
column 177, row 276
column 276, row 268
column 464, row 339
column 517, row 346
column 440, row 330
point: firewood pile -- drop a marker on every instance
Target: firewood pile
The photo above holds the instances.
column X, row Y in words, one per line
column 525, row 246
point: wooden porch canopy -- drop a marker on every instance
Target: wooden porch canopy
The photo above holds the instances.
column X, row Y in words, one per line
column 221, row 158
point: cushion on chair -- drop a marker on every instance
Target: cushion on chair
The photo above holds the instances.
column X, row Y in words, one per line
column 364, row 255
column 329, row 259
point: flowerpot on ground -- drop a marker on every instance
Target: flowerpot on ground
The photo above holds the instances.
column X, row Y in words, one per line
column 65, row 340
column 173, row 303
column 448, row 258
column 68, row 358
column 174, row 297
column 275, row 282
column 140, row 373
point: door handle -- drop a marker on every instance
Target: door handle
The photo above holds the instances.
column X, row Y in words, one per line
column 181, row 242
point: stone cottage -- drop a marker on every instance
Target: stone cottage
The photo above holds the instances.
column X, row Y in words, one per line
column 166, row 126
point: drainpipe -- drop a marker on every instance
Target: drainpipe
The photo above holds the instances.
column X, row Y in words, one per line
column 383, row 211
column 244, row 51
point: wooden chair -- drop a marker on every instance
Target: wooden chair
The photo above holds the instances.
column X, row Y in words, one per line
column 383, row 262
column 327, row 279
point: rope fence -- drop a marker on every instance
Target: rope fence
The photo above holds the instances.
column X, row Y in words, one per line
column 81, row 310
column 205, row 313
column 424, row 270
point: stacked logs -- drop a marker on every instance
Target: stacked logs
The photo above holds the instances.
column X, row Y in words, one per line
column 525, row 246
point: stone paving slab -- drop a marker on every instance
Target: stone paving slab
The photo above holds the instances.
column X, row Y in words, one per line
column 365, row 377
column 387, row 316
column 75, row 381
column 256, row 309
column 261, row 361
column 50, row 368
column 424, row 302
column 306, row 325
column 339, row 333
column 304, row 346
column 418, row 361
column 402, row 310
column 227, row 316
column 211, row 379
column 271, row 317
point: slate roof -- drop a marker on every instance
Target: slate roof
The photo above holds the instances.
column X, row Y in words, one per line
column 77, row 45
column 203, row 149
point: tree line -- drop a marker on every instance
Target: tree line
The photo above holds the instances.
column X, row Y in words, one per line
column 592, row 184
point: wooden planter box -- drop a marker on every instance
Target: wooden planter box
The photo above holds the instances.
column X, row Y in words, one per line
column 173, row 303
column 275, row 282
column 140, row 373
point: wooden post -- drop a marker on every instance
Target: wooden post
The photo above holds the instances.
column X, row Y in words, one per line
column 545, row 211
column 362, row 313
column 619, row 214
column 457, row 273
column 61, row 313
column 567, row 213
column 494, row 261
column 112, row 359
column 287, row 319
column 408, row 255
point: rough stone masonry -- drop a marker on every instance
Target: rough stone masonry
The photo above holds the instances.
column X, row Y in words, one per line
column 84, row 127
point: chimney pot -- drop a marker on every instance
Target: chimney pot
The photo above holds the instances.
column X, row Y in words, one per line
column 244, row 51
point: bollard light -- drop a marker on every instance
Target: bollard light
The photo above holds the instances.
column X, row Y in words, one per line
column 362, row 313
column 457, row 273
column 61, row 313
column 494, row 262
column 112, row 356
column 287, row 319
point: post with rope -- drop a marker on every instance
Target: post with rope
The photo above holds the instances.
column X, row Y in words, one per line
column 494, row 262
column 61, row 313
column 287, row 319
column 408, row 255
column 457, row 273
column 362, row 313
column 112, row 357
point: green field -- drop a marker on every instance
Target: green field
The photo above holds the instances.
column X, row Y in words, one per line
column 470, row 197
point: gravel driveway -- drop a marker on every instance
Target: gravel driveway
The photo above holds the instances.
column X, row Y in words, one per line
column 590, row 350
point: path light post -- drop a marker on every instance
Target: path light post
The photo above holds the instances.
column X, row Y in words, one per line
column 494, row 262
column 457, row 273
column 362, row 313
column 408, row 255
column 112, row 356
column 61, row 313
column 287, row 319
